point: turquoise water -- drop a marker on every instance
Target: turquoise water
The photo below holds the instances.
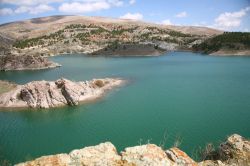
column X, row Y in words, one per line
column 196, row 98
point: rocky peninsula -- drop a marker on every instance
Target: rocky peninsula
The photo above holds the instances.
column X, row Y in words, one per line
column 48, row 94
column 130, row 50
column 234, row 151
column 25, row 62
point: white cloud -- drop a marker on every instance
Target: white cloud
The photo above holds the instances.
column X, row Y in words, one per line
column 22, row 9
column 67, row 6
column 41, row 9
column 132, row 16
column 166, row 22
column 230, row 20
column 26, row 9
column 6, row 11
column 116, row 3
column 34, row 9
column 181, row 14
column 85, row 7
column 28, row 2
column 131, row 2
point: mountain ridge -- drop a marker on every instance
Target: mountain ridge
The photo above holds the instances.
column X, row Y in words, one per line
column 67, row 34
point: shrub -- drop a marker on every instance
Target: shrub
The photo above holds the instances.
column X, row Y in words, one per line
column 99, row 83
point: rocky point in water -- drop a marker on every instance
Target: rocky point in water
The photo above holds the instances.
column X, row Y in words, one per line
column 235, row 151
column 130, row 50
column 25, row 62
column 48, row 94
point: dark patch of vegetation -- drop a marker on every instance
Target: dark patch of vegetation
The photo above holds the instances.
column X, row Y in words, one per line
column 82, row 36
column 57, row 36
column 171, row 40
column 209, row 152
column 113, row 45
column 99, row 83
column 145, row 36
column 227, row 40
column 99, row 30
column 28, row 43
column 120, row 30
column 74, row 26
column 178, row 34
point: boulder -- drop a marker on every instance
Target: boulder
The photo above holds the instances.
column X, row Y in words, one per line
column 104, row 154
column 149, row 154
column 236, row 148
column 179, row 157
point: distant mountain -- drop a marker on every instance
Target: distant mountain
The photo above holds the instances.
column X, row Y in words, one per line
column 81, row 34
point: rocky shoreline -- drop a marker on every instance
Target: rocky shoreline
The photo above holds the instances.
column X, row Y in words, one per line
column 234, row 151
column 48, row 94
column 25, row 62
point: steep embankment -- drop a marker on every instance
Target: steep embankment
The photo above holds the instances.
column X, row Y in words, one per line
column 235, row 151
column 47, row 94
column 78, row 34
column 228, row 43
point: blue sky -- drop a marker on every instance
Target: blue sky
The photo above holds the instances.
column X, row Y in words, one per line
column 231, row 15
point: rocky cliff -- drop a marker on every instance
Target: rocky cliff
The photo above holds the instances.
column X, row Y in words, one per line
column 25, row 62
column 235, row 151
column 47, row 94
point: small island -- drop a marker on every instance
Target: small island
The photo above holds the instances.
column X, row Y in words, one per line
column 48, row 94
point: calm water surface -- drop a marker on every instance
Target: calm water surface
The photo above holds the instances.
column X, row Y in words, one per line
column 196, row 98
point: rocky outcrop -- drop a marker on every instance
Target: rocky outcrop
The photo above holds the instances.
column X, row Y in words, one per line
column 100, row 155
column 47, row 94
column 180, row 157
column 235, row 149
column 105, row 154
column 149, row 154
column 25, row 62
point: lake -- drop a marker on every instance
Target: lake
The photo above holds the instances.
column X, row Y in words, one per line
column 193, row 98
